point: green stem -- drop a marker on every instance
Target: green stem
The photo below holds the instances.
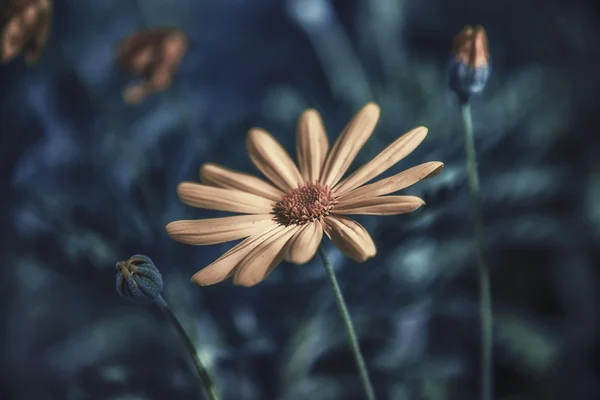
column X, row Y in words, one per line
column 360, row 362
column 485, row 291
column 205, row 379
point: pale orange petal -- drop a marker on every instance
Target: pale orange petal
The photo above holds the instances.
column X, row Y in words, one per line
column 263, row 259
column 301, row 248
column 347, row 146
column 383, row 205
column 311, row 145
column 396, row 182
column 217, row 175
column 350, row 237
column 224, row 266
column 212, row 198
column 272, row 160
column 395, row 152
column 219, row 230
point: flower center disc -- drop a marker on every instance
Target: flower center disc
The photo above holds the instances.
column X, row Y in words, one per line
column 308, row 203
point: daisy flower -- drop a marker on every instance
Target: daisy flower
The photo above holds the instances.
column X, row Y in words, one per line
column 285, row 219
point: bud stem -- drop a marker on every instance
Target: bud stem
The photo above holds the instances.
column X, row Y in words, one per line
column 205, row 380
column 485, row 291
column 360, row 362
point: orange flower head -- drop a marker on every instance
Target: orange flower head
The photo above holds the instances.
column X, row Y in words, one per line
column 286, row 217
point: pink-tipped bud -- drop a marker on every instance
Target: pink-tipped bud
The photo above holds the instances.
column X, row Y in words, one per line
column 471, row 65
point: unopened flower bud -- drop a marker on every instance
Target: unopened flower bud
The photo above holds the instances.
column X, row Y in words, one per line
column 470, row 66
column 138, row 279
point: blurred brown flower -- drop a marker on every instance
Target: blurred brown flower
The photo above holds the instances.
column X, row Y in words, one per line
column 154, row 54
column 25, row 28
column 286, row 218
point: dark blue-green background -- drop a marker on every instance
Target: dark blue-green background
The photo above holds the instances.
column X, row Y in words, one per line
column 86, row 181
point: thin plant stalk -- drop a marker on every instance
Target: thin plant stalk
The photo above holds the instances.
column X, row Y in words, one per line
column 345, row 73
column 485, row 292
column 360, row 361
column 205, row 380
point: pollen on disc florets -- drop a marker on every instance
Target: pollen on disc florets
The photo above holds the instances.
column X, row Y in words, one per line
column 307, row 203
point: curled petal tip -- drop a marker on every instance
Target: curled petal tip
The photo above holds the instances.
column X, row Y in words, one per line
column 438, row 170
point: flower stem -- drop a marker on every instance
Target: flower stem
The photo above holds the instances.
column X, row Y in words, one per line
column 205, row 381
column 485, row 291
column 360, row 362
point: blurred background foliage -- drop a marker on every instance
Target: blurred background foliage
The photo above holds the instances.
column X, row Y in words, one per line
column 86, row 181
